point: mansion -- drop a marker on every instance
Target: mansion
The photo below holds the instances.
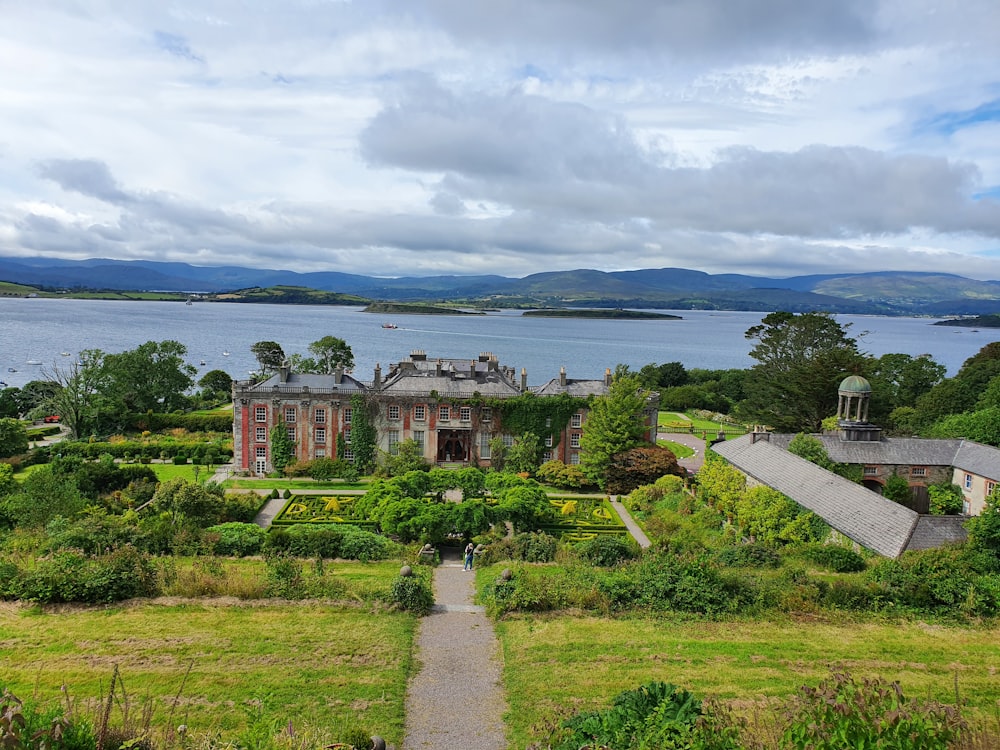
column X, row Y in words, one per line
column 443, row 405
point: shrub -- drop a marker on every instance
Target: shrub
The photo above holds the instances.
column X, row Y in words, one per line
column 666, row 582
column 180, row 459
column 748, row 556
column 607, row 551
column 71, row 576
column 535, row 547
column 842, row 713
column 413, row 594
column 835, row 558
column 237, row 539
column 329, row 540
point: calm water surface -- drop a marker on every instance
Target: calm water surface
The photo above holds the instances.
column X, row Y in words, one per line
column 40, row 330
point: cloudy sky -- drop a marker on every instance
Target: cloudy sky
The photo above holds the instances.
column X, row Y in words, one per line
column 420, row 137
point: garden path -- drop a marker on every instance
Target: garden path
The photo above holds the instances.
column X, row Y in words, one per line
column 456, row 699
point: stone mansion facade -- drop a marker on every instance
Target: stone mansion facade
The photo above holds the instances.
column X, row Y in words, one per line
column 441, row 404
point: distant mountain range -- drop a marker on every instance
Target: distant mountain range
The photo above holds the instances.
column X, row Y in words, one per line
column 884, row 292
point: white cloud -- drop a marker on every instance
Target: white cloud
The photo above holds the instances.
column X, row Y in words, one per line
column 438, row 136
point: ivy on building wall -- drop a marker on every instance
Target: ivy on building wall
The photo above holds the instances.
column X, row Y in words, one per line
column 542, row 415
column 364, row 441
column 282, row 448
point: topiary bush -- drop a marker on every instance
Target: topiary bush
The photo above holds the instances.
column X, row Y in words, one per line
column 536, row 547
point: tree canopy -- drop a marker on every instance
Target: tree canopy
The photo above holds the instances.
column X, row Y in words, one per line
column 801, row 359
column 269, row 355
column 613, row 425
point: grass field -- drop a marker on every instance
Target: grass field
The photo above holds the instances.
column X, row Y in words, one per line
column 556, row 666
column 220, row 669
column 292, row 484
column 679, row 450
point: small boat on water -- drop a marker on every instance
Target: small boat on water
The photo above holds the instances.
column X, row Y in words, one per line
column 34, row 361
column 389, row 325
column 225, row 354
column 65, row 354
column 203, row 363
column 11, row 369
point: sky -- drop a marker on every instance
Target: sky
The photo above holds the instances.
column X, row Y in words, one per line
column 427, row 137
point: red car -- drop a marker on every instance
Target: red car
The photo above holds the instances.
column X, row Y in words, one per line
column 52, row 418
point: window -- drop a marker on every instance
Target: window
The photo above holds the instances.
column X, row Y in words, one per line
column 320, row 416
column 574, row 459
column 484, row 445
column 260, row 414
column 418, row 438
column 871, row 471
column 444, row 413
column 990, row 486
column 918, row 471
column 576, row 420
column 320, row 453
column 289, row 413
column 393, row 436
column 420, row 412
column 291, row 434
column 548, row 441
column 320, row 434
column 348, row 413
column 261, row 434
column 465, row 413
column 348, row 455
column 574, row 440
column 968, row 481
column 487, row 414
column 548, row 421
column 261, row 452
column 393, row 412
column 546, row 455
column 347, row 436
column 508, row 441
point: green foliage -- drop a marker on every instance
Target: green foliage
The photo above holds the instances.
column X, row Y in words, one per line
column 237, row 539
column 216, row 384
column 769, row 517
column 748, row 556
column 638, row 466
column 524, row 456
column 720, row 485
column 329, row 355
column 364, row 440
column 526, row 507
column 187, row 502
column 531, row 547
column 614, row 425
column 72, row 576
column 282, row 447
column 898, row 490
column 665, row 582
column 947, row 579
column 330, row 541
column 656, row 715
column 946, row 499
column 801, row 359
column 871, row 715
column 43, row 495
column 412, row 593
column 544, row 417
column 409, row 456
column 606, row 551
column 983, row 426
column 269, row 355
column 564, row 476
column 833, row 557
column 13, row 437
column 984, row 529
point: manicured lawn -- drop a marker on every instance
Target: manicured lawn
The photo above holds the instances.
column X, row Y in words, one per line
column 670, row 421
column 678, row 449
column 185, row 471
column 293, row 484
column 555, row 666
column 220, row 411
column 205, row 665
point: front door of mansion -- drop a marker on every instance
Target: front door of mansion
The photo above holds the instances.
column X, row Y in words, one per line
column 453, row 445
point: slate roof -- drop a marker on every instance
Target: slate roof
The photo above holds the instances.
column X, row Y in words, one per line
column 977, row 458
column 574, row 387
column 315, row 382
column 858, row 513
column 455, row 378
column 909, row 451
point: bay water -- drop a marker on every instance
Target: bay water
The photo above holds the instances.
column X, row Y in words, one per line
column 38, row 336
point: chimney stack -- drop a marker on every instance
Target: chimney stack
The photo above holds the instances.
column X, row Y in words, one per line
column 524, row 380
column 607, row 376
column 377, row 383
column 338, row 375
column 562, row 377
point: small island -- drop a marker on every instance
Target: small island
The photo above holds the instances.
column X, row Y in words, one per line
column 980, row 321
column 613, row 314
column 410, row 308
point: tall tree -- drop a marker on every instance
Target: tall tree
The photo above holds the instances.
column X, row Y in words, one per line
column 216, row 384
column 13, row 437
column 329, row 355
column 899, row 380
column 78, row 399
column 282, row 448
column 151, row 377
column 269, row 355
column 801, row 359
column 614, row 424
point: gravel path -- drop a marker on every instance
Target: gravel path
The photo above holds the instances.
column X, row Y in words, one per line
column 456, row 699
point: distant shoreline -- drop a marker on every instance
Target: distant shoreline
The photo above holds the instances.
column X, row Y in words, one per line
column 611, row 314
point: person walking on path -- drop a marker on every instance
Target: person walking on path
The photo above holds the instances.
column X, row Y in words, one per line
column 456, row 700
column 469, row 552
